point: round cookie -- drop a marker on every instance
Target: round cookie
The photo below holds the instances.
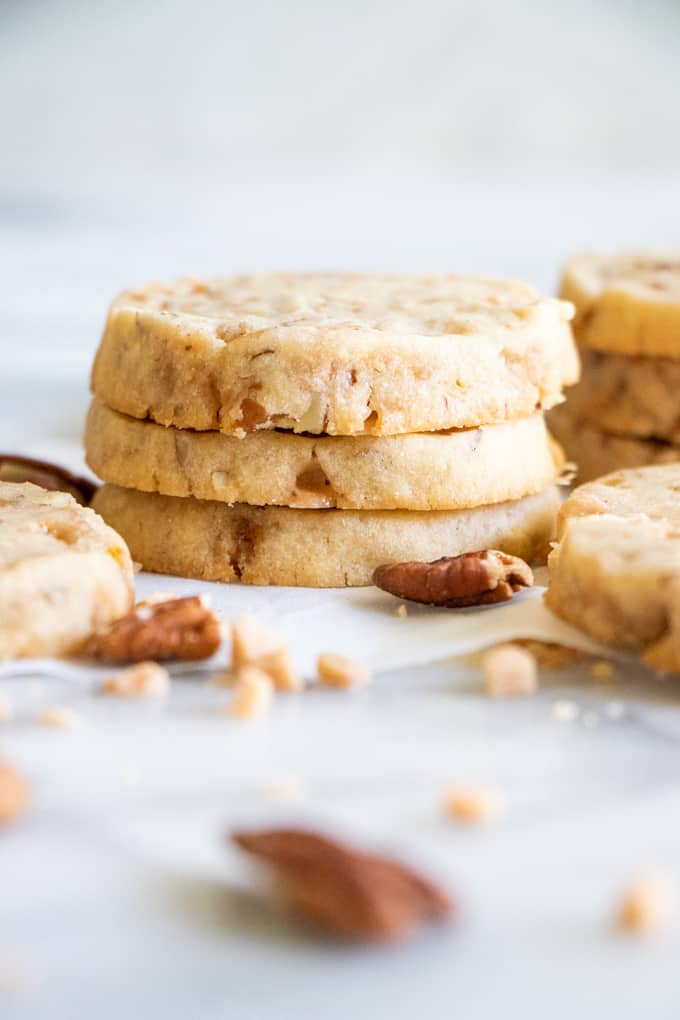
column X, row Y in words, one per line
column 615, row 570
column 427, row 471
column 628, row 395
column 629, row 304
column 334, row 353
column 63, row 572
column 315, row 548
column 596, row 453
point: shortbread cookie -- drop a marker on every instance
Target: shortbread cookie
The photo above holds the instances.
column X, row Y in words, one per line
column 596, row 453
column 615, row 571
column 629, row 396
column 317, row 548
column 341, row 354
column 427, row 471
column 629, row 304
column 63, row 572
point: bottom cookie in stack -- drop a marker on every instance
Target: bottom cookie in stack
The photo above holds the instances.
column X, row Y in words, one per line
column 314, row 548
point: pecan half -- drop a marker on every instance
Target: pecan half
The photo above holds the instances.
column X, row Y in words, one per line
column 181, row 628
column 344, row 891
column 472, row 579
column 50, row 476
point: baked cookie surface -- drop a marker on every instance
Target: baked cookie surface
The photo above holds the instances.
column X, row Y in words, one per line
column 615, row 570
column 315, row 548
column 626, row 303
column 63, row 572
column 337, row 353
column 427, row 471
column 596, row 452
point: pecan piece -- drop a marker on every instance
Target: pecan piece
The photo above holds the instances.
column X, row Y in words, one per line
column 49, row 476
column 472, row 579
column 344, row 891
column 181, row 628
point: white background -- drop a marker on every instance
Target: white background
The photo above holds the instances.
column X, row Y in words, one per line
column 142, row 140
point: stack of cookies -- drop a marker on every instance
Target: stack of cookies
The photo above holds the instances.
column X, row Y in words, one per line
column 302, row 429
column 625, row 412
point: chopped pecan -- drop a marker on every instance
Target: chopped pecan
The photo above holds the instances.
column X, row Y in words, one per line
column 472, row 579
column 13, row 794
column 344, row 891
column 48, row 475
column 181, row 628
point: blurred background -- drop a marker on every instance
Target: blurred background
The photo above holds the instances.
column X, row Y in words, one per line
column 144, row 139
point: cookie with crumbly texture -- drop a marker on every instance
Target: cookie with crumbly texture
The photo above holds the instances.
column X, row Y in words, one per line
column 426, row 471
column 314, row 548
column 633, row 396
column 63, row 573
column 596, row 453
column 615, row 570
column 335, row 353
column 626, row 303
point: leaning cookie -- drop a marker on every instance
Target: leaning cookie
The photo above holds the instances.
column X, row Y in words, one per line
column 626, row 303
column 334, row 353
column 615, row 570
column 63, row 573
column 315, row 548
column 596, row 453
column 428, row 471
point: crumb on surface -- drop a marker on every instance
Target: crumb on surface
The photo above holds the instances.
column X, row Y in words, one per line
column 59, row 718
column 278, row 666
column 143, row 680
column 253, row 693
column 548, row 654
column 564, row 710
column 335, row 670
column 473, row 805
column 284, row 788
column 647, row 905
column 401, row 610
column 602, row 670
column 250, row 641
column 509, row 672
column 5, row 709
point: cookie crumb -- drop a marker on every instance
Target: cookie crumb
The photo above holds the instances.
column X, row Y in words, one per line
column 602, row 670
column 250, row 641
column 5, row 710
column 473, row 805
column 647, row 905
column 60, row 719
column 565, row 711
column 253, row 693
column 549, row 654
column 279, row 668
column 285, row 788
column 143, row 680
column 401, row 610
column 13, row 794
column 509, row 672
column 335, row 670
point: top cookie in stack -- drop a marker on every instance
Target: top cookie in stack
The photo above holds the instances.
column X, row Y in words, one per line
column 625, row 412
column 304, row 428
